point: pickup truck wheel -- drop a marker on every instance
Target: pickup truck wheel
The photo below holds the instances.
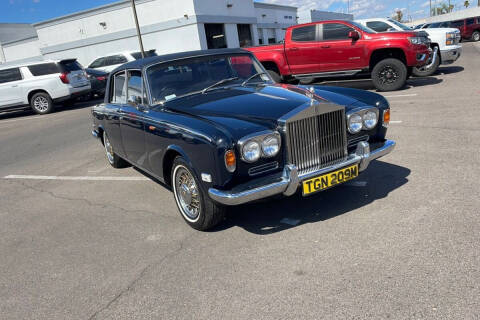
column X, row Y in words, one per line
column 430, row 67
column 389, row 74
column 114, row 160
column 41, row 103
column 197, row 209
column 476, row 36
column 275, row 76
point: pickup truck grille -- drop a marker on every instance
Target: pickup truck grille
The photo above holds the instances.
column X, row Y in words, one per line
column 318, row 141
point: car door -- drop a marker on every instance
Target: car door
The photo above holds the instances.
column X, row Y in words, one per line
column 301, row 50
column 337, row 51
column 469, row 27
column 132, row 122
column 117, row 99
column 10, row 90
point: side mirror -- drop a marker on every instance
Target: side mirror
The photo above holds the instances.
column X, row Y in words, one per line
column 354, row 35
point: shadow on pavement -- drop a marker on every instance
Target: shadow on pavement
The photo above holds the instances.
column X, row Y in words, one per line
column 265, row 217
column 367, row 84
column 58, row 109
column 450, row 70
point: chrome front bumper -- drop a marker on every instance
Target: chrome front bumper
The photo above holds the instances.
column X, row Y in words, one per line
column 288, row 182
column 451, row 55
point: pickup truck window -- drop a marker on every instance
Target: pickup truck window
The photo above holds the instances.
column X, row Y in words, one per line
column 303, row 34
column 378, row 26
column 10, row 75
column 336, row 31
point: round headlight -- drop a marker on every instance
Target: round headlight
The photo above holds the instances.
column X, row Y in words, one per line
column 251, row 151
column 270, row 146
column 370, row 120
column 355, row 123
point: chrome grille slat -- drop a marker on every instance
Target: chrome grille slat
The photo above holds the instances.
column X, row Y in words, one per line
column 317, row 141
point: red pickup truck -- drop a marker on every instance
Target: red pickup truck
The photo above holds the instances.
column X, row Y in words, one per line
column 345, row 48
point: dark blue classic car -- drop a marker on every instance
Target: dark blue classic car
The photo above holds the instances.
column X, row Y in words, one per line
column 214, row 127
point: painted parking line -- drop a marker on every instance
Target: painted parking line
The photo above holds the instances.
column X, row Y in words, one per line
column 396, row 121
column 402, row 95
column 75, row 178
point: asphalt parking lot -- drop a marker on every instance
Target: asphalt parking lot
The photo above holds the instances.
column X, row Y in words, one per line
column 81, row 240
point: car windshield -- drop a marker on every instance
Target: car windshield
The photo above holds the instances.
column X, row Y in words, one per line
column 362, row 27
column 184, row 77
column 401, row 25
column 435, row 25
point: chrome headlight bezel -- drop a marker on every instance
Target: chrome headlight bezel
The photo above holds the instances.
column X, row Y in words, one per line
column 260, row 139
column 362, row 114
column 357, row 126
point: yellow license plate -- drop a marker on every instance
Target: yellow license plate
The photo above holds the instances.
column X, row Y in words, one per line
column 329, row 180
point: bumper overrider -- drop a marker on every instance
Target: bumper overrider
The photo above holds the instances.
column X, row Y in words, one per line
column 288, row 182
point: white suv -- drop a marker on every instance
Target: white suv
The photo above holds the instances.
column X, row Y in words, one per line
column 110, row 62
column 444, row 42
column 41, row 84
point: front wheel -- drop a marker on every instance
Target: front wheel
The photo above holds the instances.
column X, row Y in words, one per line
column 389, row 74
column 41, row 103
column 197, row 209
column 476, row 36
column 431, row 66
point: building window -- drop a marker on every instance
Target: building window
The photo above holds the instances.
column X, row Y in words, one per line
column 215, row 33
column 244, row 35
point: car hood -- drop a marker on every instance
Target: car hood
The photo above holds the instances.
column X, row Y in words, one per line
column 440, row 30
column 243, row 110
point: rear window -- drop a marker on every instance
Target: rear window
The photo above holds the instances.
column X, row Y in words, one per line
column 304, row 33
column 70, row 65
column 149, row 53
column 44, row 69
column 458, row 23
column 470, row 21
column 10, row 75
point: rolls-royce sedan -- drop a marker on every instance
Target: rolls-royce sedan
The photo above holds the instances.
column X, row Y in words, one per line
column 216, row 129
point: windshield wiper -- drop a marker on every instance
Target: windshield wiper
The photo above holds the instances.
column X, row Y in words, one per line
column 252, row 77
column 219, row 83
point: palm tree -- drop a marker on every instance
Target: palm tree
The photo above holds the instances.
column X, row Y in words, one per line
column 466, row 3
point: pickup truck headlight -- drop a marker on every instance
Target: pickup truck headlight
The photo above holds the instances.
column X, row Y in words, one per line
column 450, row 38
column 419, row 40
column 251, row 151
column 355, row 123
column 270, row 146
column 370, row 120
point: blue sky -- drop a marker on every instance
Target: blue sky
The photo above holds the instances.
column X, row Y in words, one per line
column 38, row 10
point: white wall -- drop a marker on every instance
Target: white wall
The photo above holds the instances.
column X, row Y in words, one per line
column 2, row 56
column 457, row 15
column 239, row 8
column 22, row 50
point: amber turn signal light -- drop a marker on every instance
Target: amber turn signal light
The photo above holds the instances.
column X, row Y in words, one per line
column 230, row 160
column 386, row 117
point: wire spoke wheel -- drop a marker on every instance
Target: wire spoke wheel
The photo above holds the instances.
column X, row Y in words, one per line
column 41, row 103
column 108, row 149
column 187, row 193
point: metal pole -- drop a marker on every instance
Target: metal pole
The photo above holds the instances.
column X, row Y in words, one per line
column 139, row 35
column 430, row 8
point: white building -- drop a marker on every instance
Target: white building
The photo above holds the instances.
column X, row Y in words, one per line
column 317, row 15
column 167, row 26
column 17, row 34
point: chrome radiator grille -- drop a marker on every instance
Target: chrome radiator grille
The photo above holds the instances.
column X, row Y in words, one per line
column 318, row 141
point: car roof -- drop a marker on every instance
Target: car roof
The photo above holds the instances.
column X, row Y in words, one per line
column 141, row 63
column 11, row 65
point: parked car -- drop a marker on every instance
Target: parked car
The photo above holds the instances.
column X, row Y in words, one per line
column 39, row 85
column 420, row 26
column 98, row 81
column 214, row 127
column 345, row 48
column 444, row 43
column 112, row 61
column 469, row 28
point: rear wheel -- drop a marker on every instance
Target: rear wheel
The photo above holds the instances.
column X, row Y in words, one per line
column 431, row 66
column 114, row 160
column 476, row 36
column 197, row 209
column 41, row 103
column 389, row 74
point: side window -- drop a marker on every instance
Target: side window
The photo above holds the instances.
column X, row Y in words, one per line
column 336, row 31
column 100, row 62
column 378, row 26
column 119, row 94
column 10, row 75
column 118, row 59
column 134, row 87
column 458, row 23
column 470, row 21
column 303, row 34
column 44, row 69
